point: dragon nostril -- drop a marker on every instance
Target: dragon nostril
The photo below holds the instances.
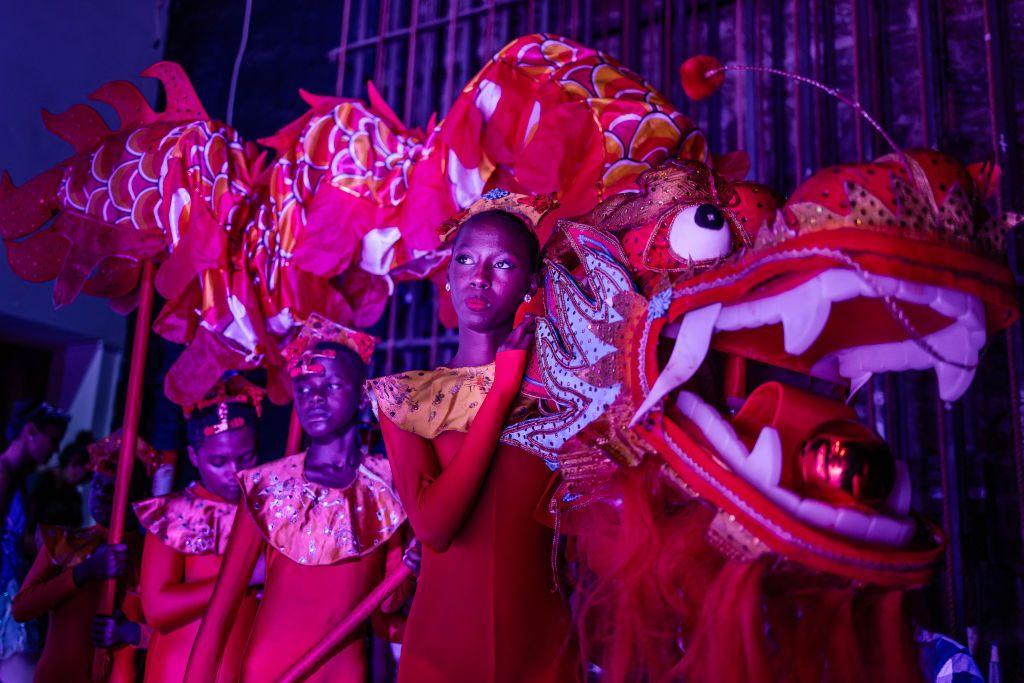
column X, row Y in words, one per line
column 709, row 217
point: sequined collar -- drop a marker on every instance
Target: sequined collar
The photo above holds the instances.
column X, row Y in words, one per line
column 192, row 521
column 319, row 525
column 428, row 403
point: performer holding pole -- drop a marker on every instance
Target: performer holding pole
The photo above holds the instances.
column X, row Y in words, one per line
column 327, row 521
column 189, row 530
column 130, row 428
column 67, row 579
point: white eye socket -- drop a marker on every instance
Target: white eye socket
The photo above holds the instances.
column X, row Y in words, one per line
column 699, row 233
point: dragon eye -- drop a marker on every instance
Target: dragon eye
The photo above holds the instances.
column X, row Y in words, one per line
column 699, row 233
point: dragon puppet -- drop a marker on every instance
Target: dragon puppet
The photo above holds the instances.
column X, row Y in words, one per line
column 770, row 538
column 346, row 202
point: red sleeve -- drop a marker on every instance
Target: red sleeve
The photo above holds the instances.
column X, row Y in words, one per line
column 46, row 585
column 122, row 669
column 438, row 501
column 243, row 551
column 168, row 601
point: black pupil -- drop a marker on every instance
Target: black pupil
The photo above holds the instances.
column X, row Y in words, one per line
column 709, row 217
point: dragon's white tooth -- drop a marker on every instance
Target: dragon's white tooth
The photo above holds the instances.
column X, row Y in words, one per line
column 850, row 363
column 804, row 316
column 840, row 285
column 687, row 403
column 977, row 338
column 715, row 428
column 953, row 380
column 784, row 498
column 916, row 292
column 690, row 349
column 827, row 368
column 817, row 513
column 856, row 384
column 950, row 303
column 974, row 317
column 958, row 355
column 885, row 530
column 763, row 467
column 852, row 523
column 884, row 285
column 740, row 316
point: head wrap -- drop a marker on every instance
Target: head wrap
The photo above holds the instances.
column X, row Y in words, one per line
column 528, row 208
column 302, row 355
column 227, row 397
column 104, row 454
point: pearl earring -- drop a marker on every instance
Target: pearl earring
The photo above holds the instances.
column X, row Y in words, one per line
column 447, row 286
column 527, row 298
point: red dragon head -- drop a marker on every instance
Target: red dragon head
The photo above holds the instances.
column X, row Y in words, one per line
column 870, row 268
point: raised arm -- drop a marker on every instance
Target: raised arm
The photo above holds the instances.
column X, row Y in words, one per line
column 46, row 585
column 438, row 500
column 240, row 559
column 168, row 601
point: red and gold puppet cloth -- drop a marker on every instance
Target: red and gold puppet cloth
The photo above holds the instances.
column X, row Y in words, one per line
column 306, row 522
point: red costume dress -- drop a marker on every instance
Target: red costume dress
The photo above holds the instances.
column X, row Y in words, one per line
column 326, row 548
column 49, row 589
column 485, row 606
column 182, row 555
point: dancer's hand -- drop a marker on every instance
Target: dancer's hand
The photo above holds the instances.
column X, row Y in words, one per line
column 108, row 632
column 413, row 556
column 106, row 562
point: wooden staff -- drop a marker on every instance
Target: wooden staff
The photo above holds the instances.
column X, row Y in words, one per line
column 332, row 642
column 129, row 441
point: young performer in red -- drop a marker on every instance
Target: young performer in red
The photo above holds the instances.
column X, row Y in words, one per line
column 64, row 583
column 326, row 520
column 188, row 534
column 485, row 606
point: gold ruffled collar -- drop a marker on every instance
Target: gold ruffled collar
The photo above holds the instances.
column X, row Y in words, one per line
column 429, row 402
column 192, row 521
column 319, row 525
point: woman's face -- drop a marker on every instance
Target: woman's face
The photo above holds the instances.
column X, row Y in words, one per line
column 221, row 456
column 492, row 268
column 40, row 442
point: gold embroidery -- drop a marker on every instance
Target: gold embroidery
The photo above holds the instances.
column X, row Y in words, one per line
column 453, row 395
